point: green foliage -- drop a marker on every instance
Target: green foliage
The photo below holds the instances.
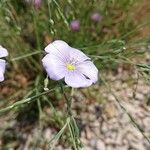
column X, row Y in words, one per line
column 25, row 31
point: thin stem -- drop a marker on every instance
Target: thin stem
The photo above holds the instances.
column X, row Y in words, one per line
column 103, row 55
column 61, row 14
column 72, row 125
column 25, row 55
column 134, row 30
column 68, row 100
column 38, row 99
column 72, row 136
column 36, row 29
column 54, row 140
column 124, row 109
column 27, row 100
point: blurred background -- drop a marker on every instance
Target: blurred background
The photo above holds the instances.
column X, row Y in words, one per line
column 114, row 113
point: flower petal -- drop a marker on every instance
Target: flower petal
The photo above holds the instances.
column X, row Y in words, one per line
column 77, row 55
column 56, row 45
column 54, row 67
column 58, row 48
column 89, row 70
column 76, row 79
column 3, row 52
column 2, row 69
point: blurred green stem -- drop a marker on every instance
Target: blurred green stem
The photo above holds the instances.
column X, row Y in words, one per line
column 27, row 100
column 68, row 100
column 38, row 99
column 25, row 55
column 36, row 29
column 72, row 125
column 72, row 135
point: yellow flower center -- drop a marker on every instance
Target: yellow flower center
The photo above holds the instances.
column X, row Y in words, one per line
column 70, row 67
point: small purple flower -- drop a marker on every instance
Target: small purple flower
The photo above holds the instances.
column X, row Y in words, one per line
column 63, row 61
column 3, row 53
column 96, row 17
column 75, row 25
column 35, row 3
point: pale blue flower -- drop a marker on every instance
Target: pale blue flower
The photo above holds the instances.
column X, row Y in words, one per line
column 3, row 53
column 70, row 64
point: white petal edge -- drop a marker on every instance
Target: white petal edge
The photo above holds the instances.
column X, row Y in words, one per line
column 76, row 80
column 3, row 52
column 59, row 48
column 77, row 55
column 54, row 67
column 89, row 70
column 2, row 69
column 58, row 44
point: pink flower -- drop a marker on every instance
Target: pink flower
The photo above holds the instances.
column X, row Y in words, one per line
column 35, row 3
column 96, row 17
column 75, row 25
column 70, row 64
column 3, row 53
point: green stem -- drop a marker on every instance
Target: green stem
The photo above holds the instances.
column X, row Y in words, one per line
column 54, row 140
column 125, row 111
column 27, row 100
column 72, row 125
column 68, row 100
column 72, row 136
column 36, row 29
column 25, row 55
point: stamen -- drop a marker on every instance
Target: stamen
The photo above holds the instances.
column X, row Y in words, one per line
column 70, row 67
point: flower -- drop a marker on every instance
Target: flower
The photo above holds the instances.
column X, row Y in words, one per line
column 96, row 17
column 75, row 25
column 70, row 64
column 35, row 3
column 3, row 53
